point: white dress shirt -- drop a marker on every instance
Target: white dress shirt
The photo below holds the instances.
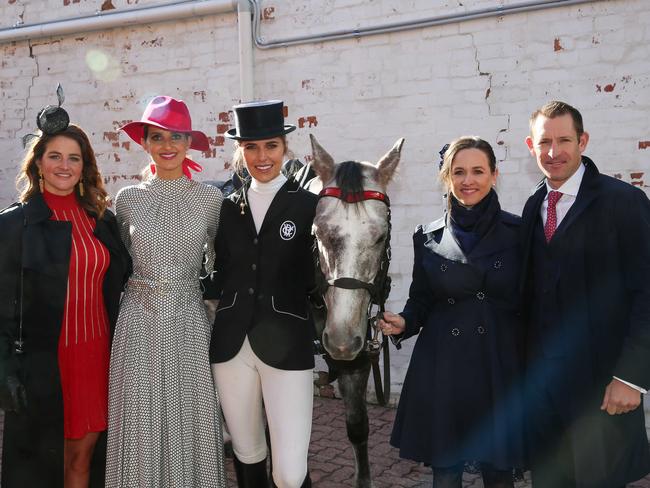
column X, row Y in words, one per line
column 569, row 190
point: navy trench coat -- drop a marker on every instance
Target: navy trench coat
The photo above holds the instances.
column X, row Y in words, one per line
column 461, row 399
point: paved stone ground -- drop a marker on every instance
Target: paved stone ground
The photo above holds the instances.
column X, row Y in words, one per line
column 331, row 460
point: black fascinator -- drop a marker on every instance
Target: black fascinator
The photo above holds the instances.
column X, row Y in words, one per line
column 442, row 156
column 51, row 119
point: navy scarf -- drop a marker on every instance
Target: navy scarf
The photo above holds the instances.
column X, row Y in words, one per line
column 470, row 225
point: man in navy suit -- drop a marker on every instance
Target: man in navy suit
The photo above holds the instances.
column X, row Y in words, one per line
column 586, row 286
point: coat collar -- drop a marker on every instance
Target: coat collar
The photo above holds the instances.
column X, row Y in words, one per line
column 445, row 244
column 36, row 210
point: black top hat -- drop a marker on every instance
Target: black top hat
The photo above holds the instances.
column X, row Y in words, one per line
column 259, row 120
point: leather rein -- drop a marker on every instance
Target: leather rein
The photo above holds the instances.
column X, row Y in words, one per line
column 378, row 289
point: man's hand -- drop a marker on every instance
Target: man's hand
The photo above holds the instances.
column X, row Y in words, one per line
column 620, row 398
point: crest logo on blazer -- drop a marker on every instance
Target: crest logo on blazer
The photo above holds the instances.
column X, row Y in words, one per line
column 287, row 230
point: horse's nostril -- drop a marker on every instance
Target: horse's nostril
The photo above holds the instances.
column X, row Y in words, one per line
column 358, row 343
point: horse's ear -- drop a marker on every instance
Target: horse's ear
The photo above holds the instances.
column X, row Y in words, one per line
column 323, row 163
column 388, row 164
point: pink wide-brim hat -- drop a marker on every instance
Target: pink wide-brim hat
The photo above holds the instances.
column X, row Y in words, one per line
column 169, row 114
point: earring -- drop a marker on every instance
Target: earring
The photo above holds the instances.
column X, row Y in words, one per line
column 81, row 188
column 40, row 180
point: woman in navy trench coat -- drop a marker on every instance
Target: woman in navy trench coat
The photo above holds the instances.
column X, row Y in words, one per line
column 461, row 397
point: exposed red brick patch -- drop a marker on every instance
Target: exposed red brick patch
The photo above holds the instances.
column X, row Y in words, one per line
column 224, row 116
column 107, row 5
column 111, row 136
column 644, row 144
column 311, row 120
column 636, row 176
column 210, row 153
column 126, row 145
column 618, row 176
column 11, row 2
column 556, row 44
column 268, row 13
column 306, row 84
column 116, row 157
column 221, row 128
column 219, row 141
column 610, row 87
column 285, row 110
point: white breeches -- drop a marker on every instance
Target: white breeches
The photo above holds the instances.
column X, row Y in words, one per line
column 243, row 382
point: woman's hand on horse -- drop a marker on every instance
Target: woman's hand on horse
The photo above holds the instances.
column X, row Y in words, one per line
column 392, row 324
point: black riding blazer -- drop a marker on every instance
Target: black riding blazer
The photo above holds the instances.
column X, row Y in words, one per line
column 263, row 280
column 33, row 442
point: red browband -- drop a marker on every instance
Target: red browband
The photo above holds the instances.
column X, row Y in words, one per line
column 335, row 192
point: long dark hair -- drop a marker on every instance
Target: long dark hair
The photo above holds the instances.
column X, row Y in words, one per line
column 94, row 199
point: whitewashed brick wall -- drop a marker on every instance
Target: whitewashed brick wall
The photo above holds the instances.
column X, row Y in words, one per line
column 358, row 97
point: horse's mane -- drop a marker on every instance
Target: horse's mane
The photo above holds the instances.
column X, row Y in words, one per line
column 349, row 177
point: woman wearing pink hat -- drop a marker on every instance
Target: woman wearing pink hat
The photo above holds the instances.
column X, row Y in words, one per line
column 164, row 419
column 262, row 340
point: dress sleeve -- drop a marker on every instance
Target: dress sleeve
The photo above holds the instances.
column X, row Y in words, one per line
column 213, row 224
column 122, row 214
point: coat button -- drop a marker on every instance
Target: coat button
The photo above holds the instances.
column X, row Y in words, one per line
column 255, row 241
column 251, row 291
column 480, row 295
column 497, row 264
column 451, row 301
column 443, row 267
column 260, row 297
column 481, row 330
column 253, row 266
column 455, row 331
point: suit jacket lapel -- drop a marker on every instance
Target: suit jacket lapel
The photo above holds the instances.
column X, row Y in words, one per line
column 586, row 194
column 241, row 196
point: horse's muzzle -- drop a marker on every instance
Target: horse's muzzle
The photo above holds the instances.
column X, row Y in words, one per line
column 343, row 349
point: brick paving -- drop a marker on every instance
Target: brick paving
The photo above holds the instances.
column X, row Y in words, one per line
column 331, row 460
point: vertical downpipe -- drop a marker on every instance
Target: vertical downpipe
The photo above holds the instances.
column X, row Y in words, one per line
column 246, row 73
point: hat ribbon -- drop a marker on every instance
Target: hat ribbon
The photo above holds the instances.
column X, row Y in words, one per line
column 187, row 164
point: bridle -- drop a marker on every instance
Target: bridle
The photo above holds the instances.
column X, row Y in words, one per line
column 378, row 288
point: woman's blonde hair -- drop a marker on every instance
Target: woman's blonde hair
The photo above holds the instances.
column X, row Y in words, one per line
column 94, row 199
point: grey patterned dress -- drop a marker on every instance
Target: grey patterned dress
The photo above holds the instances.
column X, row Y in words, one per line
column 164, row 427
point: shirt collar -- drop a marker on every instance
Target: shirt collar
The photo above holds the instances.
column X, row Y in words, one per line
column 570, row 186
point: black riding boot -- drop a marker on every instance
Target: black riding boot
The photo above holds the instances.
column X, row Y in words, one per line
column 251, row 475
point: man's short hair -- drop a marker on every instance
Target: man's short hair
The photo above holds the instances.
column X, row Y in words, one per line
column 556, row 109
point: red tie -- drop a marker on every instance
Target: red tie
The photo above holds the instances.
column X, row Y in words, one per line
column 551, row 214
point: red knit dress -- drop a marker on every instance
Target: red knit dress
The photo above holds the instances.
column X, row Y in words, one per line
column 84, row 339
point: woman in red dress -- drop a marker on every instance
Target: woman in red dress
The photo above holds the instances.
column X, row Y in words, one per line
column 62, row 267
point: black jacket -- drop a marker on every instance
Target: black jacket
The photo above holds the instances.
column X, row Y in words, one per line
column 263, row 280
column 33, row 442
column 601, row 251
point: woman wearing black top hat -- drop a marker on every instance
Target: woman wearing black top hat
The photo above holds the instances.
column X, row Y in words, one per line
column 461, row 400
column 261, row 349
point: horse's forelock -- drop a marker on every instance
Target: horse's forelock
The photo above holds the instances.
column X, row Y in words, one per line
column 349, row 177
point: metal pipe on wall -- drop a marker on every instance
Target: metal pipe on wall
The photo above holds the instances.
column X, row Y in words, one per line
column 260, row 43
column 108, row 20
column 246, row 55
